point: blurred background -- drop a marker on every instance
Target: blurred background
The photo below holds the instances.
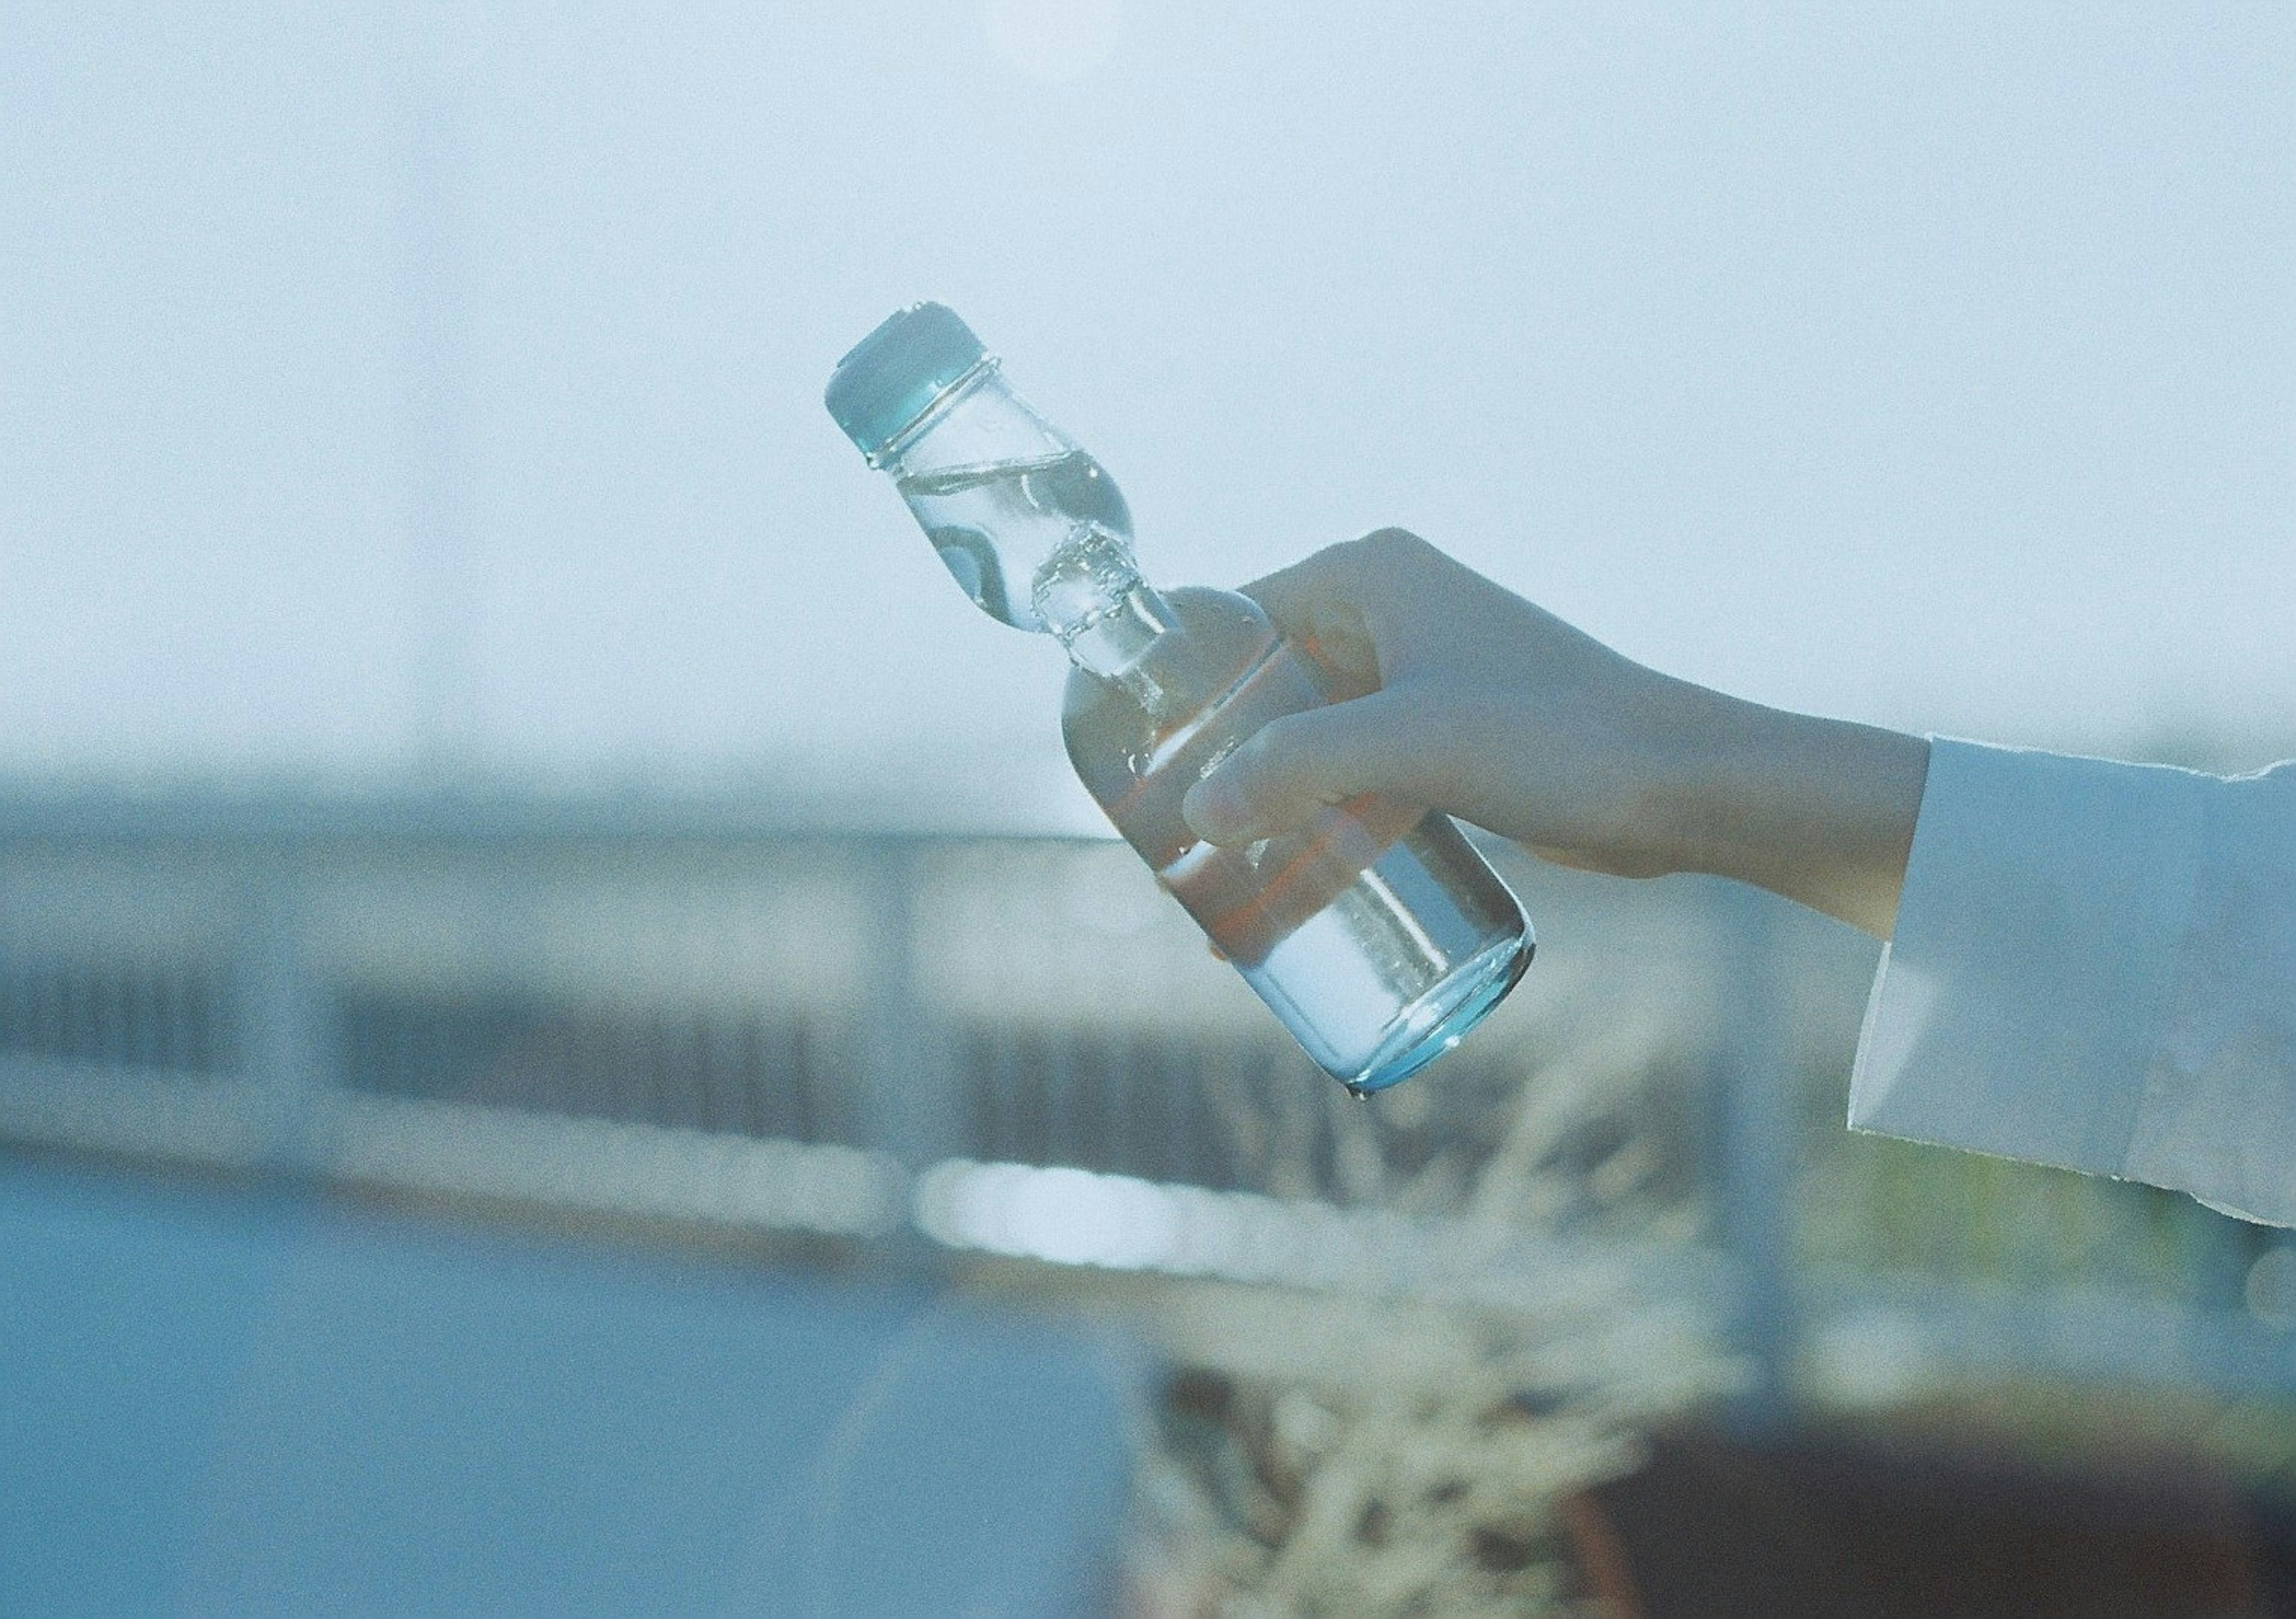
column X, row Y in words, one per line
column 569, row 1044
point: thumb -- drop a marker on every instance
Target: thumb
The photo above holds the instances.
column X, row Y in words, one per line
column 1293, row 766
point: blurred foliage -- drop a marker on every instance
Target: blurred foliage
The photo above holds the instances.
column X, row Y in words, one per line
column 1371, row 1454
column 1879, row 1207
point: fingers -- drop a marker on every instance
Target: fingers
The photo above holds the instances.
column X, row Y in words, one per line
column 1338, row 603
column 1294, row 766
column 1377, row 613
column 1348, row 571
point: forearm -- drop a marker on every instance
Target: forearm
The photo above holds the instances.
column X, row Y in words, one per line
column 1463, row 696
column 1820, row 811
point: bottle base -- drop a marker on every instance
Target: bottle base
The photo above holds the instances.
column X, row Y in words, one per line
column 1440, row 1019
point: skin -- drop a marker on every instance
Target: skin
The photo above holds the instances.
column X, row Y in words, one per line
column 1457, row 694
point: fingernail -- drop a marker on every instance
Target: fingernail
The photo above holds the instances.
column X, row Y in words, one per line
column 1214, row 808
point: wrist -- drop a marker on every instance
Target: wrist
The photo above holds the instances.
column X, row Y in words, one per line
column 1820, row 811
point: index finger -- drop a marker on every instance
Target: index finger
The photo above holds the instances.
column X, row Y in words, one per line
column 1332, row 604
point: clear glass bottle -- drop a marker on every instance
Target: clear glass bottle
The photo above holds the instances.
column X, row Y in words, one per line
column 1376, row 933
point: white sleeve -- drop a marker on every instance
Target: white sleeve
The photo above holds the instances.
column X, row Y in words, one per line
column 2094, row 966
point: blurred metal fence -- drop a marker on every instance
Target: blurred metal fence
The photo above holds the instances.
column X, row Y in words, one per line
column 1014, row 1046
column 674, row 1010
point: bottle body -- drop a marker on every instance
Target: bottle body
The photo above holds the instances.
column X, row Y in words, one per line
column 1375, row 933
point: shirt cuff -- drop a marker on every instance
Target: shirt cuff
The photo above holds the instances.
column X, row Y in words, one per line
column 2020, row 1004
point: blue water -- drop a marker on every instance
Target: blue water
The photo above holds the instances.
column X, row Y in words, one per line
column 217, row 1402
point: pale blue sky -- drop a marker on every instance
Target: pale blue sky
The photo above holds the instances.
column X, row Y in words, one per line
column 1933, row 365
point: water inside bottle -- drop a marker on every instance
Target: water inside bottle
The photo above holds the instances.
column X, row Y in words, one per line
column 997, row 524
column 1375, row 933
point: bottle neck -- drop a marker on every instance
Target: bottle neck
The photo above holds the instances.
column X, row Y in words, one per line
column 1123, row 644
column 1108, row 620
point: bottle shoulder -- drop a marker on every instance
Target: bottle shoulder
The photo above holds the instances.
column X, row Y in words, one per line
column 1225, row 674
column 1230, row 606
column 1217, row 636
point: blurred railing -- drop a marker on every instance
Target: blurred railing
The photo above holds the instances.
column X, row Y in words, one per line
column 688, row 1012
column 1014, row 1046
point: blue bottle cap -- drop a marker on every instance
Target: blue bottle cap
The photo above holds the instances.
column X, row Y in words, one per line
column 895, row 373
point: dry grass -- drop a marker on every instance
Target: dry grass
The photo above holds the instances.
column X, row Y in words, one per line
column 1379, row 1451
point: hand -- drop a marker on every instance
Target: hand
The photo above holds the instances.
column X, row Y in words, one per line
column 1453, row 693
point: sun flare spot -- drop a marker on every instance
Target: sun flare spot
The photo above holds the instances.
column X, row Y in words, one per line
column 1054, row 40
